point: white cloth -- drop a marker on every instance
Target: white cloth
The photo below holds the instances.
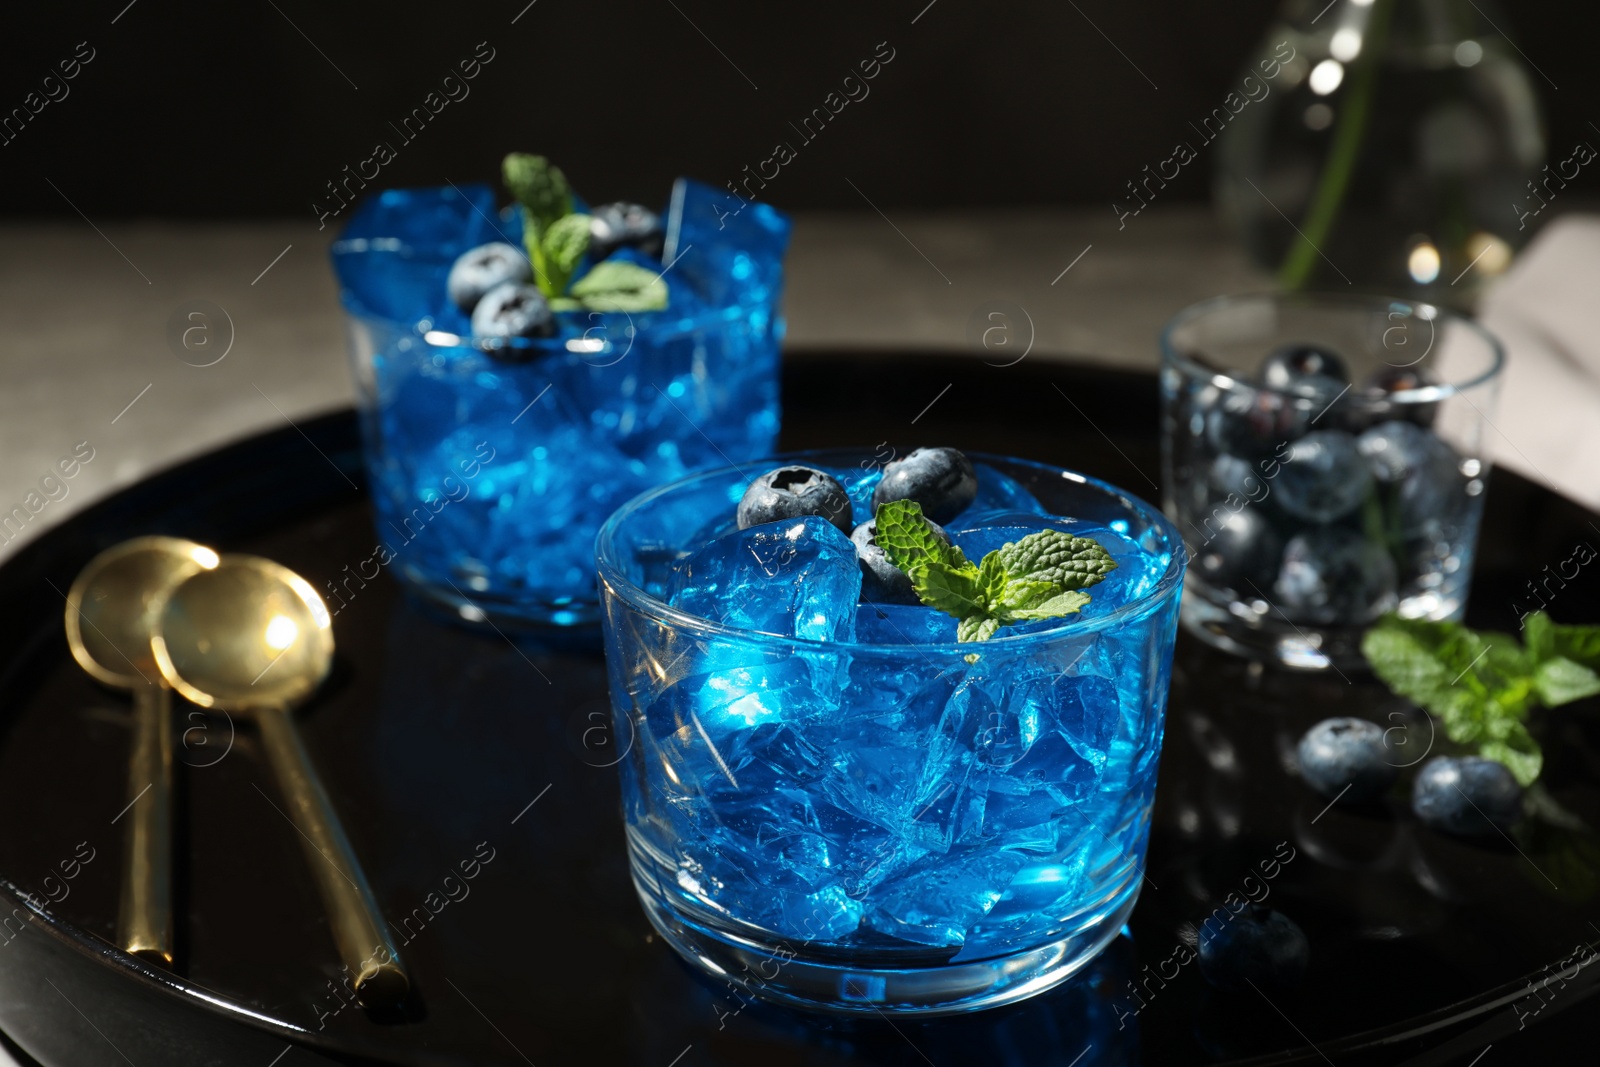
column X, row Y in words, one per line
column 1546, row 311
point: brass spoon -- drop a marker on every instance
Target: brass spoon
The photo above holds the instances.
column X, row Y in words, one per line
column 252, row 636
column 109, row 621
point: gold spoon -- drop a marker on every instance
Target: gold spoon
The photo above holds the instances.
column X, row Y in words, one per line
column 109, row 620
column 252, row 636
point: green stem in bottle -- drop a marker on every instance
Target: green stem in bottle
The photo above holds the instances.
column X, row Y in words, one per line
column 1348, row 135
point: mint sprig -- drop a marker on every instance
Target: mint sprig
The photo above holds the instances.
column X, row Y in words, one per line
column 557, row 239
column 1482, row 684
column 1039, row 576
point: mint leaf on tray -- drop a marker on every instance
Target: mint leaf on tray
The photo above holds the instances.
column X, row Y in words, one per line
column 1482, row 684
column 1037, row 577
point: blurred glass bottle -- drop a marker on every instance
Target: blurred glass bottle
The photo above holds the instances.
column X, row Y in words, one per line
column 1399, row 143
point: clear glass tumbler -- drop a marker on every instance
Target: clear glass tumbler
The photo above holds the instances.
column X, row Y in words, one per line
column 873, row 828
column 1323, row 459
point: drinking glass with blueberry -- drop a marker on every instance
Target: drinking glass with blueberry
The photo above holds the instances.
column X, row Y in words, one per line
column 1324, row 459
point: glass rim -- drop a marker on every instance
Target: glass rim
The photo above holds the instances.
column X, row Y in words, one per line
column 615, row 581
column 1428, row 312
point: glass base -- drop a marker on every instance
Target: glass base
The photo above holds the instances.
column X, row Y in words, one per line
column 813, row 984
column 489, row 612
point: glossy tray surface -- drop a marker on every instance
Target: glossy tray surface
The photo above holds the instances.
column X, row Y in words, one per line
column 474, row 774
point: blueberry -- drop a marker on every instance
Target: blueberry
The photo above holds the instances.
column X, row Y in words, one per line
column 1469, row 796
column 513, row 310
column 613, row 226
column 1232, row 475
column 940, row 479
column 1423, row 474
column 881, row 581
column 1333, row 575
column 1258, row 946
column 1252, row 423
column 484, row 268
column 1304, row 368
column 1241, row 549
column 1324, row 478
column 1347, row 758
column 789, row 493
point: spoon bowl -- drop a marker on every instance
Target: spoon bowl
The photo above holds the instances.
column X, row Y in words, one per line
column 109, row 621
column 247, row 634
column 109, row 608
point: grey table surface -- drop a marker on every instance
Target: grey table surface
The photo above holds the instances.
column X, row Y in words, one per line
column 85, row 354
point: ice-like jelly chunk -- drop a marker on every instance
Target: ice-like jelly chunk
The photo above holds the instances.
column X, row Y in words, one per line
column 731, row 249
column 395, row 252
column 998, row 492
column 794, row 578
column 860, row 483
column 938, row 899
column 904, row 624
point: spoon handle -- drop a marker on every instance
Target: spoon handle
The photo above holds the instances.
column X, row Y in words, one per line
column 144, row 911
column 358, row 929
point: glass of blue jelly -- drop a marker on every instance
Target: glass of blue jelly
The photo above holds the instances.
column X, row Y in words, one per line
column 835, row 804
column 492, row 464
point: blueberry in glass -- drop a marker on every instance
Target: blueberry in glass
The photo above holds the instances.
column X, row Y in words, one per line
column 1333, row 574
column 1348, row 759
column 512, row 309
column 486, row 267
column 1253, row 423
column 1325, row 477
column 1240, row 551
column 790, row 492
column 1420, row 471
column 940, row 479
column 625, row 225
column 1307, row 369
column 1385, row 382
column 1467, row 796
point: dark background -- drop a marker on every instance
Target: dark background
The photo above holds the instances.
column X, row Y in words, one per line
column 194, row 109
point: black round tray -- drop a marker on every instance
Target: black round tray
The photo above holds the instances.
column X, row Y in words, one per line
column 441, row 744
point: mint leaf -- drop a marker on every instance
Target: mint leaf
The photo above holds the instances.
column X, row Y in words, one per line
column 992, row 581
column 617, row 285
column 539, row 186
column 1020, row 594
column 976, row 628
column 993, row 593
column 1558, row 681
column 954, row 591
column 1052, row 556
column 1547, row 638
column 1432, row 665
column 909, row 540
column 1518, row 751
column 1481, row 685
column 1066, row 602
column 563, row 243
